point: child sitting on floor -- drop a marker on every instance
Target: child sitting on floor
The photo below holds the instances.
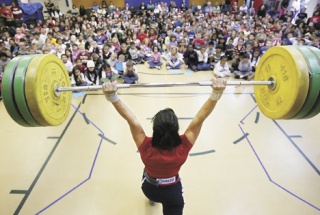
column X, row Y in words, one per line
column 244, row 69
column 174, row 61
column 155, row 59
column 222, row 68
column 106, row 74
column 120, row 64
column 130, row 75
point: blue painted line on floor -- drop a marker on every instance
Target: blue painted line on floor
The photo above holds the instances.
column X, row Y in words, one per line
column 257, row 118
column 84, row 99
column 107, row 139
column 297, row 147
column 254, row 151
column 295, row 136
column 241, row 138
column 85, row 118
column 90, row 173
column 254, row 98
column 270, row 179
column 53, row 137
column 19, row 191
column 248, row 114
column 202, row 153
column 44, row 165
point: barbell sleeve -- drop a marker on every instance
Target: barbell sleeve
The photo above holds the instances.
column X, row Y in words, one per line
column 173, row 84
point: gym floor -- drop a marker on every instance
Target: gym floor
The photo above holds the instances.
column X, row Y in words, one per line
column 242, row 163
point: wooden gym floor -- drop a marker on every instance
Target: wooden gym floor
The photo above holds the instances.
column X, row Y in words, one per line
column 242, row 163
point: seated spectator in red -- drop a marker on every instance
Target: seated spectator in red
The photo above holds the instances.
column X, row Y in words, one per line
column 198, row 42
column 84, row 55
column 142, row 35
column 7, row 15
column 16, row 11
column 239, row 48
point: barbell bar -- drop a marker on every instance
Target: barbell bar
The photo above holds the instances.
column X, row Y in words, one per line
column 286, row 86
column 270, row 83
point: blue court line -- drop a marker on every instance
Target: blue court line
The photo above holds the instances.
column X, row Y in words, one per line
column 257, row 118
column 84, row 99
column 241, row 138
column 248, row 114
column 19, row 191
column 107, row 139
column 297, row 147
column 270, row 179
column 202, row 153
column 44, row 165
column 295, row 136
column 90, row 173
column 53, row 137
column 254, row 99
column 85, row 118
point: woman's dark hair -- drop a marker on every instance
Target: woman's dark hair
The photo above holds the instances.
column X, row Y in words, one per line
column 165, row 130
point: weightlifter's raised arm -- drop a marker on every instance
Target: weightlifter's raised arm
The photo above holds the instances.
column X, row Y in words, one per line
column 137, row 132
column 193, row 130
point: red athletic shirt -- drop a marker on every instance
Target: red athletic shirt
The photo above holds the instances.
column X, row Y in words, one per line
column 164, row 163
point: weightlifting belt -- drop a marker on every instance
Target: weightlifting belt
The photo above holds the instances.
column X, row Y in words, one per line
column 161, row 181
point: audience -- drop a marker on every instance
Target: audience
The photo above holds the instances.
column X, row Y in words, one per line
column 105, row 42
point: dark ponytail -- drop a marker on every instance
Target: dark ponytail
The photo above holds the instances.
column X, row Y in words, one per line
column 165, row 130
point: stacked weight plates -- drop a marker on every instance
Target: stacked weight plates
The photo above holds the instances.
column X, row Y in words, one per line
column 28, row 88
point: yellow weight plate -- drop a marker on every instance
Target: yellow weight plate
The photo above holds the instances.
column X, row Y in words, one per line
column 287, row 66
column 45, row 73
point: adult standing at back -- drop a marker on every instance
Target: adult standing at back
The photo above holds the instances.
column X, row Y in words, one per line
column 165, row 152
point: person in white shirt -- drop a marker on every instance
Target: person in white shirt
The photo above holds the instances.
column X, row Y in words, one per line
column 36, row 40
column 244, row 9
column 221, row 69
column 67, row 63
column 203, row 63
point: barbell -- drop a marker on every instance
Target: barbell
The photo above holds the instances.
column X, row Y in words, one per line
column 36, row 88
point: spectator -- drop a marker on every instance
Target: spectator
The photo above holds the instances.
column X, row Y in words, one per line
column 221, row 69
column 67, row 63
column 83, row 55
column 155, row 59
column 16, row 11
column 203, row 63
column 78, row 78
column 91, row 73
column 130, row 75
column 191, row 58
column 174, row 61
column 121, row 64
column 255, row 59
column 135, row 54
column 75, row 11
column 245, row 68
column 124, row 51
column 107, row 74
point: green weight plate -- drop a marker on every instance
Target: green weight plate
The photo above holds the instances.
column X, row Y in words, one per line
column 7, row 92
column 19, row 91
column 314, row 83
column 316, row 108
